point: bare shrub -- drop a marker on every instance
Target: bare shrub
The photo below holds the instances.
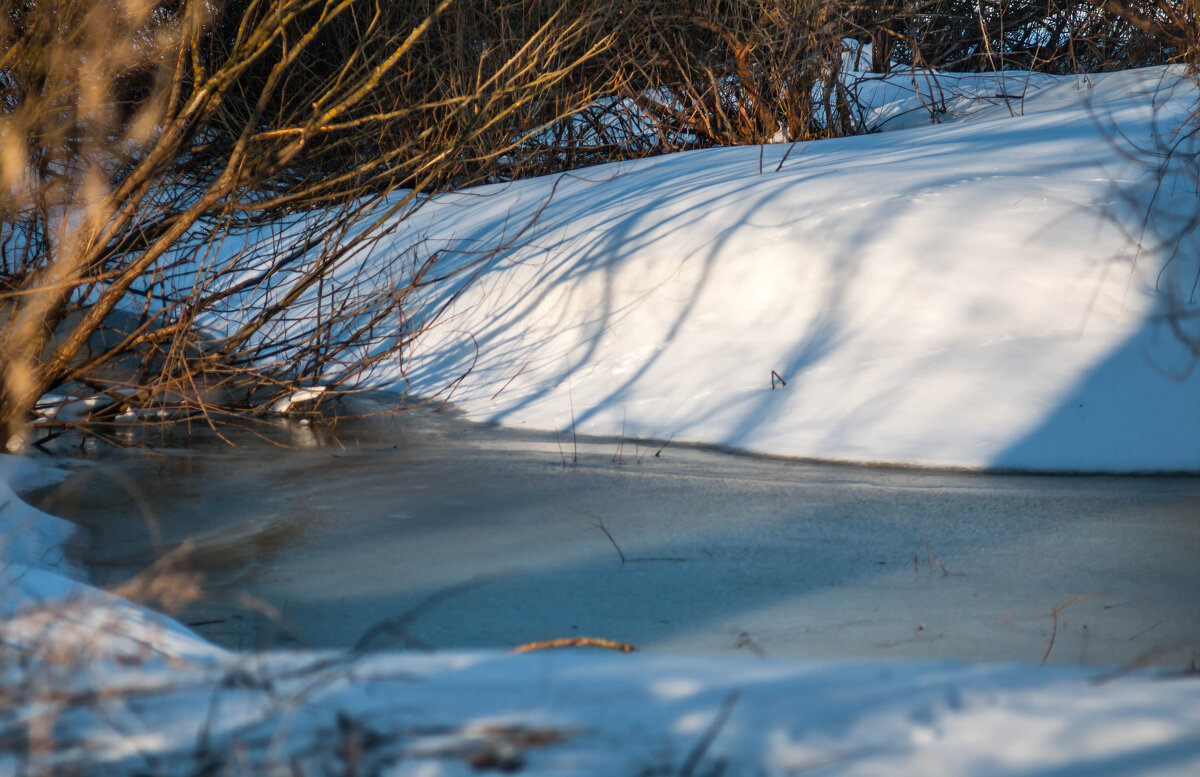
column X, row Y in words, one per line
column 730, row 72
column 699, row 73
column 191, row 189
column 1056, row 36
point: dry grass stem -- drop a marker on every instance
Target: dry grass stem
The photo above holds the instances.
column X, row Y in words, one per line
column 1054, row 618
column 566, row 642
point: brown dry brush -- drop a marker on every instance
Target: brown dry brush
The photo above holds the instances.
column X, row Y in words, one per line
column 701, row 73
column 735, row 72
column 1055, row 36
column 190, row 188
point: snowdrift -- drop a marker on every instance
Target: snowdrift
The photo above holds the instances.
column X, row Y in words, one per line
column 987, row 291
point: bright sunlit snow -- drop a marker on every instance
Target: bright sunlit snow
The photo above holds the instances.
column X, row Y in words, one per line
column 963, row 294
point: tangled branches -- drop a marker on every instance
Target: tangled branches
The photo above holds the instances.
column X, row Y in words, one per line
column 192, row 189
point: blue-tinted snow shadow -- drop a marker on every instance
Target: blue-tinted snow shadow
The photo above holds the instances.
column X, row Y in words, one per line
column 1140, row 404
column 1138, row 409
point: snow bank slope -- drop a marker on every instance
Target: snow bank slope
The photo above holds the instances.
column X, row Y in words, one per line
column 962, row 294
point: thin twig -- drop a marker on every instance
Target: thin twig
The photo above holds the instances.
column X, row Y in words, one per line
column 510, row 380
column 598, row 523
column 933, row 559
column 565, row 642
column 561, row 452
column 571, row 399
column 1054, row 615
column 1148, row 628
column 788, row 153
column 619, row 457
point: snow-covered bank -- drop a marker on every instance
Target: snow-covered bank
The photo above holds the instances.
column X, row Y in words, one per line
column 45, row 603
column 579, row 713
column 963, row 294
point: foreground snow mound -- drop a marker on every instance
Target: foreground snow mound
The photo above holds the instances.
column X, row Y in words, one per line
column 571, row 713
column 984, row 292
column 28, row 536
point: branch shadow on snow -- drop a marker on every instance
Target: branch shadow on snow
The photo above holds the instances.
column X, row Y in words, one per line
column 549, row 313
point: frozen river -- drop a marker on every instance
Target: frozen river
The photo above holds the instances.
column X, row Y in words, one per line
column 421, row 531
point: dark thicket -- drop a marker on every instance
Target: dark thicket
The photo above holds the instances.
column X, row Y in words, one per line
column 718, row 72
